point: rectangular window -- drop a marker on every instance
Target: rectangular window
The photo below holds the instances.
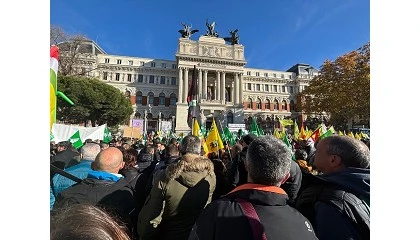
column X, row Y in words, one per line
column 130, row 62
column 153, row 64
column 141, row 63
column 257, row 74
column 173, row 66
column 257, row 87
column 282, row 76
column 129, row 77
column 140, row 79
column 274, row 75
column 274, row 88
column 249, row 86
column 118, row 61
column 163, row 65
column 173, row 81
column 266, row 87
column 105, row 77
column 283, row 89
column 162, row 79
column 290, row 76
column 265, row 74
column 290, row 89
column 106, row 60
column 151, row 79
column 248, row 73
column 117, row 77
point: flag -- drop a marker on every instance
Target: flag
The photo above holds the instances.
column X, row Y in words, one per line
column 286, row 140
column 340, row 133
column 51, row 136
column 214, row 141
column 54, row 52
column 192, row 98
column 196, row 129
column 255, row 129
column 107, row 135
column 296, row 131
column 75, row 140
column 328, row 133
column 357, row 136
column 316, row 134
column 277, row 134
column 228, row 136
column 350, row 134
column 302, row 134
column 286, row 122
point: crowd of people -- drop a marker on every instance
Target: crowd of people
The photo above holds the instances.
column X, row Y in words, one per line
column 255, row 189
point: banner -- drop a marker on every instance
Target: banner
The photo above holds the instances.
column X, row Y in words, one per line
column 63, row 132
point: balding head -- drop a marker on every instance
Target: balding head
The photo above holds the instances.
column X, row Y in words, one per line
column 109, row 160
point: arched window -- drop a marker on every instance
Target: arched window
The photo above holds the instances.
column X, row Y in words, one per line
column 230, row 117
column 292, row 105
column 249, row 103
column 258, row 103
column 267, row 104
column 283, row 105
column 162, row 116
column 150, row 97
column 161, row 99
column 172, row 99
column 276, row 104
column 139, row 96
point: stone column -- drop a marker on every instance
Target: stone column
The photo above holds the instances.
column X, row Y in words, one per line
column 205, row 85
column 232, row 93
column 218, row 86
column 200, row 88
column 223, row 88
column 180, row 85
column 185, row 89
column 241, row 88
column 236, row 96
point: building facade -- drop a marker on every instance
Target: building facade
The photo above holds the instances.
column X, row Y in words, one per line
column 227, row 90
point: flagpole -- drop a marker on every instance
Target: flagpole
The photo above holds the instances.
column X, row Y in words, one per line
column 227, row 142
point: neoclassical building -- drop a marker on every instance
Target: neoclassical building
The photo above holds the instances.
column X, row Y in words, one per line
column 227, row 89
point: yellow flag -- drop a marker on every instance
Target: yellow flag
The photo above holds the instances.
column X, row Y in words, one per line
column 214, row 141
column 205, row 148
column 340, row 133
column 350, row 134
column 302, row 134
column 196, row 128
column 286, row 122
column 357, row 136
column 277, row 134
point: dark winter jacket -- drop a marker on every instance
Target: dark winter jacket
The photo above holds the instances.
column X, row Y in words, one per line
column 237, row 174
column 337, row 204
column 224, row 218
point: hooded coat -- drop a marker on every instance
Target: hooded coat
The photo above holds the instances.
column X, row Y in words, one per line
column 178, row 196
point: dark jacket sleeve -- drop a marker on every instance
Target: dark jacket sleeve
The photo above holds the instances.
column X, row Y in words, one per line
column 292, row 185
column 330, row 224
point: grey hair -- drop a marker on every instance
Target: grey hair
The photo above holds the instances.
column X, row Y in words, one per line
column 190, row 144
column 89, row 151
column 268, row 160
column 353, row 152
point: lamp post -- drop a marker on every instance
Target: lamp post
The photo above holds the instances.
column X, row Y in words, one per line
column 145, row 125
column 173, row 123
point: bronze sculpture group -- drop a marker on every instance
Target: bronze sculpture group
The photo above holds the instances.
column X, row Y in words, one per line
column 187, row 32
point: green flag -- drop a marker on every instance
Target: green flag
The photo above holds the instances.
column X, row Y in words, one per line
column 107, row 135
column 286, row 140
column 296, row 131
column 75, row 140
column 51, row 136
column 228, row 136
column 255, row 129
column 328, row 133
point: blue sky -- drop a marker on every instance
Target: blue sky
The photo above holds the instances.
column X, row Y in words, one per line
column 276, row 34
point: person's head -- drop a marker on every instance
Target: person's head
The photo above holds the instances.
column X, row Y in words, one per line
column 86, row 221
column 225, row 158
column 150, row 149
column 64, row 145
column 130, row 158
column 172, row 150
column 301, row 154
column 89, row 151
column 190, row 163
column 335, row 153
column 174, row 141
column 236, row 149
column 247, row 139
column 104, row 145
column 268, row 161
column 190, row 144
column 109, row 160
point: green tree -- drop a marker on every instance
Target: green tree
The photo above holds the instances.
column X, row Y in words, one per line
column 342, row 90
column 93, row 100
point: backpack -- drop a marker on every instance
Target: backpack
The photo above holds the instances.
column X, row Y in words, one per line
column 356, row 208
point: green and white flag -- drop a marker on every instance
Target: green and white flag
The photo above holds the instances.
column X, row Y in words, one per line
column 75, row 140
column 328, row 133
column 51, row 136
column 107, row 135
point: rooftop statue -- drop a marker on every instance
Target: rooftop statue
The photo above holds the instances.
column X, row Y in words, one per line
column 210, row 29
column 187, row 32
column 234, row 38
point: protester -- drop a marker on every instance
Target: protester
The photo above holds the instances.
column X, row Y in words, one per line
column 86, row 221
column 268, row 163
column 337, row 202
column 66, row 156
column 178, row 195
